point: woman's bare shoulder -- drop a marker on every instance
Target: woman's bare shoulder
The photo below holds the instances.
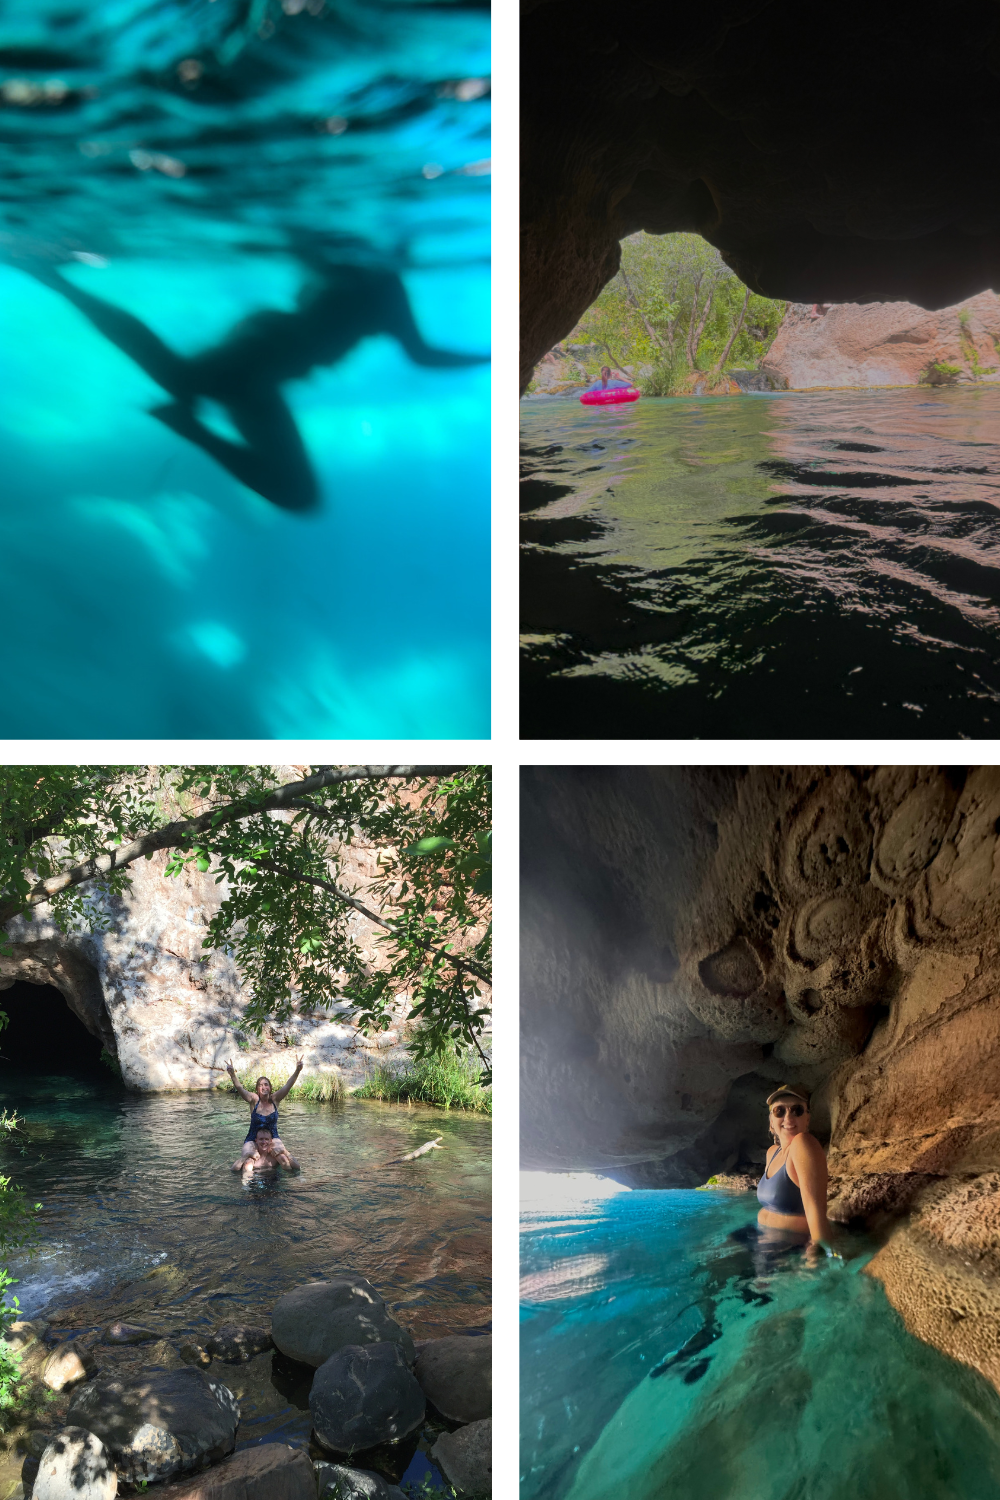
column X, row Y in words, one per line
column 807, row 1145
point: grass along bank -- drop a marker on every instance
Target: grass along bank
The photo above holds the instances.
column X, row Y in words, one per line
column 450, row 1081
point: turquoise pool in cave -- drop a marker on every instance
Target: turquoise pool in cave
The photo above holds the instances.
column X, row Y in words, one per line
column 662, row 1355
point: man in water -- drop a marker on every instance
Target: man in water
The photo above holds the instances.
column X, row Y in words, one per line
column 266, row 1158
column 245, row 371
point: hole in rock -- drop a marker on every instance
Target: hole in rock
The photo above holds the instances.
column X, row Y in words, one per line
column 43, row 1034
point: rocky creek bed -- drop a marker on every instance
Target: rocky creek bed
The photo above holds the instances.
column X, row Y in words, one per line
column 179, row 1312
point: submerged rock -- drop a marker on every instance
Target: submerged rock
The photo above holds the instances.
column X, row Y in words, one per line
column 271, row 1471
column 365, row 1395
column 312, row 1322
column 75, row 1465
column 164, row 1424
column 338, row 1482
column 456, row 1375
column 235, row 1343
column 465, row 1458
column 128, row 1333
column 67, row 1367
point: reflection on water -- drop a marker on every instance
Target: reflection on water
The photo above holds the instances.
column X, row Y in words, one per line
column 243, row 322
column 130, row 1183
column 701, row 1363
column 807, row 564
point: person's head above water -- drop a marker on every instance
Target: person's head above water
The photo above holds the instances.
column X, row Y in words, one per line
column 265, row 1141
column 262, row 1088
column 605, row 374
column 788, row 1112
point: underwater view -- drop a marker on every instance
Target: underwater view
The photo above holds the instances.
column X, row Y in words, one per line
column 244, row 368
column 664, row 1352
column 806, row 564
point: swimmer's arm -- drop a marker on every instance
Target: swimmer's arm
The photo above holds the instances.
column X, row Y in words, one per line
column 250, row 1098
column 279, row 1094
column 809, row 1161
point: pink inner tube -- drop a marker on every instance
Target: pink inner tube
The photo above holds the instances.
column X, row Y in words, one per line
column 610, row 397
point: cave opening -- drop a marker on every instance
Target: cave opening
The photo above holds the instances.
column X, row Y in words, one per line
column 43, row 1035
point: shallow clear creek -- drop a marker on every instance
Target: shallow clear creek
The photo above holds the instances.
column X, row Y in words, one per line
column 791, row 1383
column 808, row 564
column 138, row 1184
column 192, row 166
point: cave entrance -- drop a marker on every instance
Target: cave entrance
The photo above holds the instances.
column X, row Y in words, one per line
column 43, row 1035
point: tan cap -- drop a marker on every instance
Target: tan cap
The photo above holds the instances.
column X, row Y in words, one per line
column 789, row 1090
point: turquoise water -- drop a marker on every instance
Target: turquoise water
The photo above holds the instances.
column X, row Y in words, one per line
column 194, row 164
column 133, row 1182
column 810, row 564
column 790, row 1383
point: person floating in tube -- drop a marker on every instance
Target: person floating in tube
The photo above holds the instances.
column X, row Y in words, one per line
column 607, row 384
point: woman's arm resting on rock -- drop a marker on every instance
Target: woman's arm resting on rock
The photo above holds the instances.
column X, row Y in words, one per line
column 809, row 1161
column 279, row 1094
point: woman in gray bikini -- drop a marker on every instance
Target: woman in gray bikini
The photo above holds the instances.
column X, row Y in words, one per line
column 792, row 1190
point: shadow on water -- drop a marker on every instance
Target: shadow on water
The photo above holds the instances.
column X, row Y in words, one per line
column 668, row 1348
column 819, row 564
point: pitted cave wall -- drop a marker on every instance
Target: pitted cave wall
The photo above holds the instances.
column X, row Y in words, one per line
column 825, row 154
column 692, row 937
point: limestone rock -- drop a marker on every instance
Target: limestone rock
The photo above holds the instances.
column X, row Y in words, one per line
column 128, row 1333
column 465, row 1458
column 24, row 1332
column 270, row 1471
column 312, row 1322
column 162, row 1424
column 338, row 1482
column 194, row 1354
column 364, row 1395
column 67, row 1366
column 885, row 344
column 456, row 1376
column 235, row 1343
column 75, row 1463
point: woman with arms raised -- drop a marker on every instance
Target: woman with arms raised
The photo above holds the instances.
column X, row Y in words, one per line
column 263, row 1102
column 792, row 1191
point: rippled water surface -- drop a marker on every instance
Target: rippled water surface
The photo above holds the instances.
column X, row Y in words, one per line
column 806, row 564
column 789, row 1383
column 134, row 1183
column 171, row 169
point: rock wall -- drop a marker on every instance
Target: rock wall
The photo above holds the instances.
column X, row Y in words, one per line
column 694, row 936
column 169, row 1013
column 884, row 343
column 820, row 153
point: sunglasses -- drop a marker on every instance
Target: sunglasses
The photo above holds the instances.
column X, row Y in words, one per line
column 778, row 1110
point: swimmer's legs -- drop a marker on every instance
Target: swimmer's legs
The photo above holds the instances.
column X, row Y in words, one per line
column 127, row 333
column 273, row 463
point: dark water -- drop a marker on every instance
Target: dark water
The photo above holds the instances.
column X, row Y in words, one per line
column 789, row 1383
column 822, row 564
column 250, row 545
column 130, row 1184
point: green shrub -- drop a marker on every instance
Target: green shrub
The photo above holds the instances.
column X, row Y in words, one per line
column 663, row 380
column 450, row 1080
column 940, row 374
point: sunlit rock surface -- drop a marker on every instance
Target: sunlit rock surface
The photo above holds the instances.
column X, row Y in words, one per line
column 886, row 343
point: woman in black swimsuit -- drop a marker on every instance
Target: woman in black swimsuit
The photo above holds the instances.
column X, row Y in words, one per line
column 263, row 1104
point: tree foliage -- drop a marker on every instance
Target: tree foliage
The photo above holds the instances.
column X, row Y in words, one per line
column 675, row 308
column 70, row 833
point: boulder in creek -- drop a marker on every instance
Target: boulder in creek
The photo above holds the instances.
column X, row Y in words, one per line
column 67, row 1366
column 312, row 1322
column 338, row 1482
column 456, row 1376
column 364, row 1395
column 161, row 1424
column 75, row 1463
column 465, row 1458
column 235, row 1343
column 271, row 1471
column 128, row 1333
column 194, row 1354
column 25, row 1332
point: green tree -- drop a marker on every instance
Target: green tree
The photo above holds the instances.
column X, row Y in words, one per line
column 69, row 832
column 676, row 308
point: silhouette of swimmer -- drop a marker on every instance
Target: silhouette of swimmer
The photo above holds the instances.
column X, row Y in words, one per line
column 244, row 372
